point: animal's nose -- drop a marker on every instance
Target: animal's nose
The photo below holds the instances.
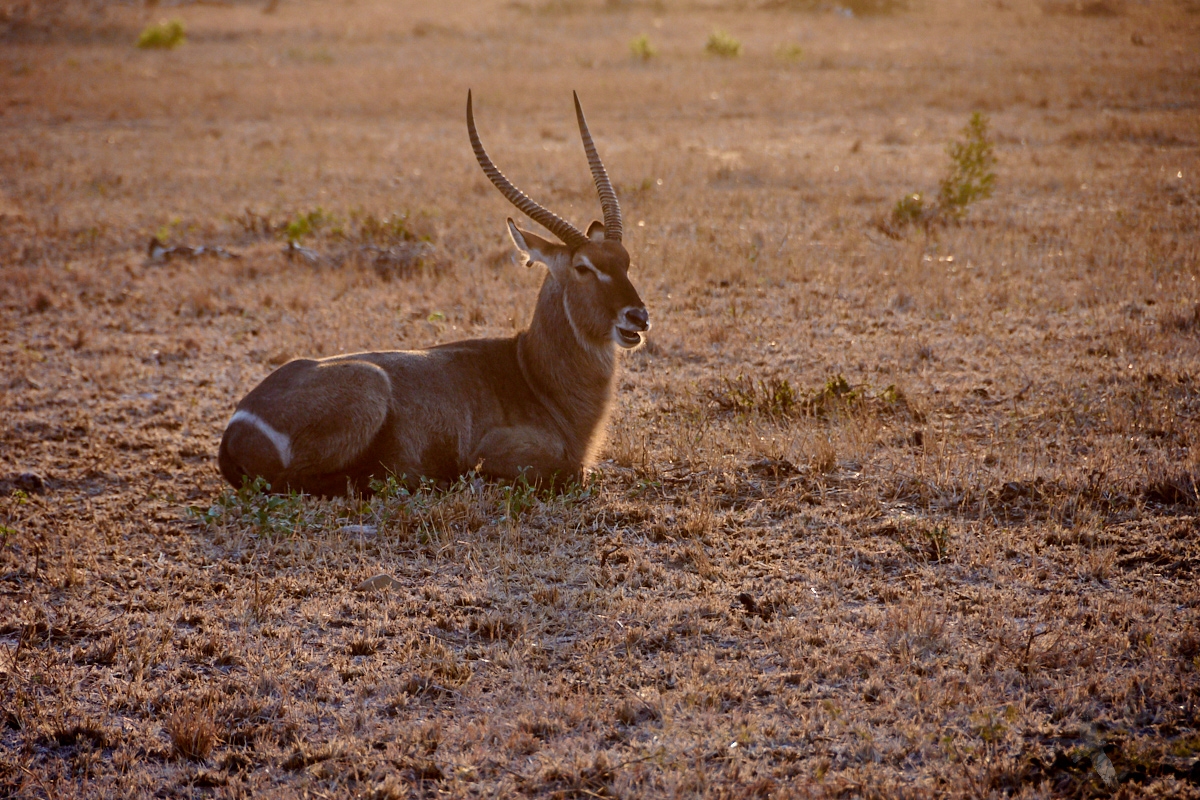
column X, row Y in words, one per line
column 638, row 318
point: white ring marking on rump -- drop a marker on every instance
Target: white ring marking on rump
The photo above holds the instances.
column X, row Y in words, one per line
column 283, row 444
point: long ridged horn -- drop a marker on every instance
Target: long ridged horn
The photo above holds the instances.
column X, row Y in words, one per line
column 568, row 233
column 608, row 198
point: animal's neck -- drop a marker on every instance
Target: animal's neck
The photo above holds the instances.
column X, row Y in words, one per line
column 575, row 378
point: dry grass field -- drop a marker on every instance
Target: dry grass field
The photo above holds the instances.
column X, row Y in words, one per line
column 884, row 511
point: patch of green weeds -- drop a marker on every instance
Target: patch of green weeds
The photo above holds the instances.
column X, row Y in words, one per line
column 360, row 227
column 523, row 495
column 518, row 497
column 776, row 397
column 307, row 224
column 969, row 178
column 744, row 395
column 909, row 209
column 253, row 506
column 641, row 48
column 163, row 35
column 721, row 43
column 644, row 487
column 930, row 543
column 384, row 230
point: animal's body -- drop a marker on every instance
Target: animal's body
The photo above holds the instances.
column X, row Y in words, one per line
column 535, row 404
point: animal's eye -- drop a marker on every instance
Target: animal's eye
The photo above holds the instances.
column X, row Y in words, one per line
column 581, row 269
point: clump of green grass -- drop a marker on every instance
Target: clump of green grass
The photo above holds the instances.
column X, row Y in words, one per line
column 777, row 398
column 970, row 178
column 164, row 35
column 254, row 506
column 909, row 209
column 306, row 224
column 385, row 230
column 641, row 48
column 721, row 43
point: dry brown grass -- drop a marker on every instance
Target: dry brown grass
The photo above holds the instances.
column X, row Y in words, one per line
column 878, row 517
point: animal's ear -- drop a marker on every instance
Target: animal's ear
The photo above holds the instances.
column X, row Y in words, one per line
column 596, row 231
column 535, row 249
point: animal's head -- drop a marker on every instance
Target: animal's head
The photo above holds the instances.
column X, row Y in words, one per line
column 593, row 268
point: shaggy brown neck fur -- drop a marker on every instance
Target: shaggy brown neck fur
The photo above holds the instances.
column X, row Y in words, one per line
column 575, row 380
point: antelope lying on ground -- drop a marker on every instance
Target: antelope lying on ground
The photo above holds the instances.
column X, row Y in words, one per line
column 536, row 403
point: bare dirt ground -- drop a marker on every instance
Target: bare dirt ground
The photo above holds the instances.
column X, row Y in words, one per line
column 883, row 512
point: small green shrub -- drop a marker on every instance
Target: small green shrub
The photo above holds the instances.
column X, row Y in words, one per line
column 971, row 161
column 306, row 224
column 641, row 48
column 720, row 43
column 165, row 35
column 969, row 178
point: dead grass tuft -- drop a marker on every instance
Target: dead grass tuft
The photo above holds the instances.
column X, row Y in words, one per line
column 193, row 733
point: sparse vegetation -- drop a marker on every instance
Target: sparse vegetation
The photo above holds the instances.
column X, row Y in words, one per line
column 307, row 223
column 898, row 517
column 164, row 35
column 971, row 161
column 722, row 43
column 970, row 178
column 641, row 47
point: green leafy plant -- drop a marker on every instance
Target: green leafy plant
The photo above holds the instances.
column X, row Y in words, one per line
column 164, row 35
column 641, row 48
column 253, row 505
column 971, row 162
column 969, row 178
column 721, row 43
column 518, row 497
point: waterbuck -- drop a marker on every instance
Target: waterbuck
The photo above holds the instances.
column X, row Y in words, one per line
column 535, row 404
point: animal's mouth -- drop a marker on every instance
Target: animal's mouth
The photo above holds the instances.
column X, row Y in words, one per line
column 627, row 337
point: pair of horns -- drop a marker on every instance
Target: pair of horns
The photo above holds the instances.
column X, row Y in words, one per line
column 568, row 233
